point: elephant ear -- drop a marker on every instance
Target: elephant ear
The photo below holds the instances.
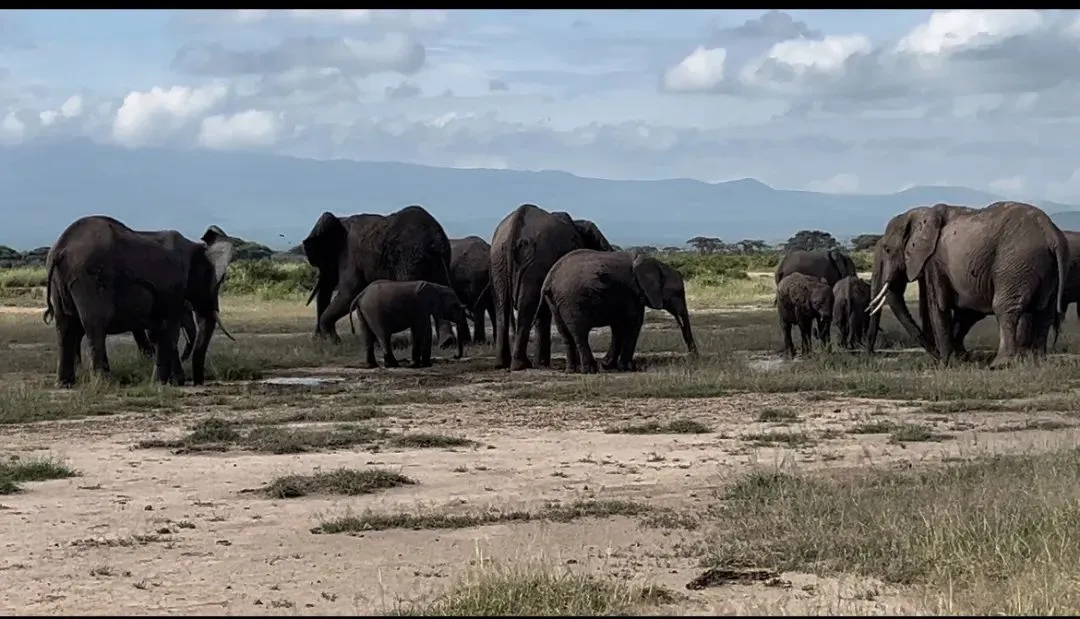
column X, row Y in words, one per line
column 923, row 230
column 219, row 251
column 325, row 240
column 590, row 233
column 650, row 278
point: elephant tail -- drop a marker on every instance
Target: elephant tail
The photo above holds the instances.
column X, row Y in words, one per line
column 50, row 312
column 354, row 307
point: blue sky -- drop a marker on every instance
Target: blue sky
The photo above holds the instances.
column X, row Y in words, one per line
column 839, row 101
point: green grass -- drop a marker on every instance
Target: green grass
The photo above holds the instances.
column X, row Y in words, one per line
column 995, row 536
column 215, row 434
column 373, row 521
column 538, row 592
column 17, row 470
column 349, row 482
column 677, row 426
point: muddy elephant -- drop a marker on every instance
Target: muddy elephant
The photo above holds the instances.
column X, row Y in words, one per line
column 803, row 300
column 1007, row 259
column 525, row 245
column 105, row 278
column 351, row 252
column 851, row 298
column 470, row 273
column 587, row 288
column 832, row 264
column 386, row 307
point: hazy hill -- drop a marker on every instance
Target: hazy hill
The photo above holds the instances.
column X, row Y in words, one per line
column 276, row 199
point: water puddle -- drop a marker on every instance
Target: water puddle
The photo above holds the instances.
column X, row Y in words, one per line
column 302, row 381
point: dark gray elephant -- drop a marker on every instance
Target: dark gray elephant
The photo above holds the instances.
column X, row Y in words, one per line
column 587, row 288
column 803, row 300
column 350, row 252
column 832, row 264
column 851, row 299
column 145, row 339
column 470, row 274
column 525, row 245
column 386, row 307
column 1072, row 284
column 105, row 278
column 1008, row 259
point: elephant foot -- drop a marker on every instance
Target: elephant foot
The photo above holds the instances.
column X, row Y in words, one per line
column 590, row 368
column 391, row 363
column 573, row 369
column 420, row 364
column 371, row 365
column 448, row 341
column 65, row 383
column 520, row 364
column 627, row 367
column 1001, row 362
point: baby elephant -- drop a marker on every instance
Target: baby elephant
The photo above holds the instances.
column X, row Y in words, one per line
column 851, row 298
column 587, row 288
column 800, row 300
column 386, row 307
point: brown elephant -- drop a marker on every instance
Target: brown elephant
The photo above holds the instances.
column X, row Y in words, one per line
column 105, row 278
column 587, row 288
column 801, row 300
column 526, row 243
column 350, row 252
column 1008, row 259
column 386, row 307
column 851, row 298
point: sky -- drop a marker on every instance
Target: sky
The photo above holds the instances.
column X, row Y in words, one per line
column 842, row 101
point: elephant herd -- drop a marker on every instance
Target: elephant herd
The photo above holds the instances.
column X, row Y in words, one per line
column 397, row 272
column 1007, row 259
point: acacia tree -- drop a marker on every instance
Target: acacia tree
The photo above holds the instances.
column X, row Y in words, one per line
column 864, row 242
column 706, row 244
column 810, row 240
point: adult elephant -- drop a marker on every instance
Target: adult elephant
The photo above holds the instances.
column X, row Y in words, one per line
column 145, row 339
column 105, row 278
column 831, row 264
column 351, row 252
column 470, row 272
column 1008, row 259
column 525, row 245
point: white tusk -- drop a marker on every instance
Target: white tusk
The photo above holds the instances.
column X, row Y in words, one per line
column 221, row 325
column 880, row 295
column 877, row 307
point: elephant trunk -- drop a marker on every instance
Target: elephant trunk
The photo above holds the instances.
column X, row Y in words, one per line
column 875, row 318
column 682, row 318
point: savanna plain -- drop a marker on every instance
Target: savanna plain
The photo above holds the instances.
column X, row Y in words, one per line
column 297, row 482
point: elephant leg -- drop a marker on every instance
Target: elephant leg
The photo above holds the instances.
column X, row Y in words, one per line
column 629, row 342
column 69, row 332
column 501, row 326
column 167, row 357
column 543, row 336
column 99, row 357
column 843, row 328
column 611, row 357
column 806, row 325
column 479, row 336
column 963, row 321
column 369, row 343
column 1008, row 316
column 824, row 332
column 347, row 290
column 386, row 342
column 573, row 360
column 142, row 340
column 789, row 345
column 581, row 341
column 527, row 314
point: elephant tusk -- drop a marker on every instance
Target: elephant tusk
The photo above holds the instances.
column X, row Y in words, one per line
column 221, row 325
column 877, row 308
column 314, row 291
column 876, row 301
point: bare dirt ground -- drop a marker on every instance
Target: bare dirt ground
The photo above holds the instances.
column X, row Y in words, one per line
column 147, row 530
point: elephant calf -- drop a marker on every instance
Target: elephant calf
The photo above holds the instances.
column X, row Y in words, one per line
column 851, row 299
column 587, row 288
column 800, row 300
column 386, row 307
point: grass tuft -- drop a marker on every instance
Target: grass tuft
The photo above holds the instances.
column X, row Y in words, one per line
column 349, row 482
column 16, row 470
column 677, row 426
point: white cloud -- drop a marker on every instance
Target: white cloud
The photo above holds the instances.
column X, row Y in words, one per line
column 702, row 70
column 840, row 183
column 242, row 130
column 72, row 107
column 146, row 116
column 953, row 30
column 12, row 130
column 1009, row 185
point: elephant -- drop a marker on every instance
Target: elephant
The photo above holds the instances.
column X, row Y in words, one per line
column 470, row 274
column 801, row 300
column 386, row 307
column 851, row 298
column 1072, row 285
column 145, row 339
column 351, row 252
column 525, row 245
column 587, row 288
column 105, row 278
column 832, row 264
column 1008, row 259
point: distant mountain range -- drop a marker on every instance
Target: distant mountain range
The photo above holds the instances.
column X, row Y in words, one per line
column 275, row 199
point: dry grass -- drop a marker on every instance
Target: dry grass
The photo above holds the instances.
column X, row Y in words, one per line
column 348, row 482
column 18, row 470
column 677, row 426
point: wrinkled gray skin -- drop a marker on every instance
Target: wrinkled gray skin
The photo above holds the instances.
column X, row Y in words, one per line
column 470, row 273
column 526, row 243
column 1007, row 259
column 831, row 264
column 350, row 252
column 851, row 298
column 801, row 300
column 386, row 307
column 105, row 278
column 1072, row 284
column 587, row 288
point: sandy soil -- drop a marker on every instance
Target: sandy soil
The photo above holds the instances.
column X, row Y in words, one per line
column 147, row 531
